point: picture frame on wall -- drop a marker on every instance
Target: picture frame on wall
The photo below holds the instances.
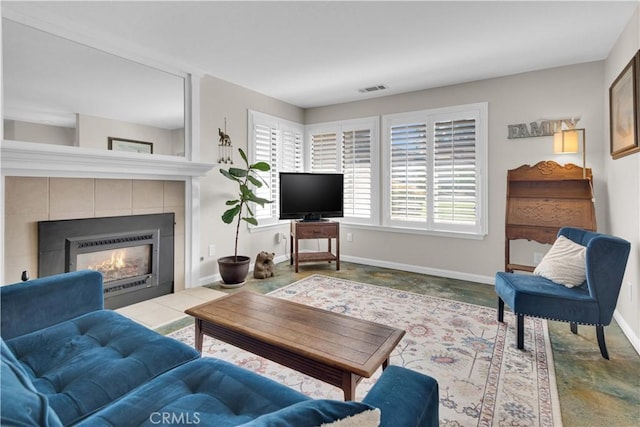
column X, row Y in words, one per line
column 624, row 110
column 130, row 145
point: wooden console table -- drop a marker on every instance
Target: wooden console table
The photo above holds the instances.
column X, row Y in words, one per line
column 541, row 199
column 314, row 230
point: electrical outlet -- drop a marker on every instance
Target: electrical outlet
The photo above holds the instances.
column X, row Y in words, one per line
column 212, row 250
column 349, row 237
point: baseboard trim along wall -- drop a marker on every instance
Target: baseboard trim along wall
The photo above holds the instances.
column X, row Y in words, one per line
column 489, row 280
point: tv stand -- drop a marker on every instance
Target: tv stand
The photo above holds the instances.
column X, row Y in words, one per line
column 301, row 230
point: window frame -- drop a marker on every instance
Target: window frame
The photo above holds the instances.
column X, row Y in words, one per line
column 372, row 124
column 478, row 111
column 280, row 125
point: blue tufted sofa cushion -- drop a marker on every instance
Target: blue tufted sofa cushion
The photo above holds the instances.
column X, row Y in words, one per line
column 89, row 361
column 20, row 404
column 206, row 391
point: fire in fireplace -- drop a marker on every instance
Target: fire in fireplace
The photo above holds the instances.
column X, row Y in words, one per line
column 126, row 260
column 136, row 261
column 118, row 264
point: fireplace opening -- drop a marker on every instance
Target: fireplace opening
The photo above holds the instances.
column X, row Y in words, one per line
column 117, row 264
column 127, row 261
column 136, row 261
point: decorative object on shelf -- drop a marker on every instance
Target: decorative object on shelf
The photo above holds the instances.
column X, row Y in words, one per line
column 567, row 141
column 540, row 128
column 624, row 111
column 131, row 145
column 264, row 266
column 225, row 149
column 234, row 268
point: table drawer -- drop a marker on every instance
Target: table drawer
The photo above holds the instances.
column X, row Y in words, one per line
column 311, row 231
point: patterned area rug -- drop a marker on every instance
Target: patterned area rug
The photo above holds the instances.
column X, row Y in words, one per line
column 484, row 380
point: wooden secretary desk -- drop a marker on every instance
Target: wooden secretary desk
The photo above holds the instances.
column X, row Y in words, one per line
column 543, row 198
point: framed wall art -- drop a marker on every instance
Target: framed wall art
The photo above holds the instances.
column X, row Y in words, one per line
column 130, row 145
column 624, row 110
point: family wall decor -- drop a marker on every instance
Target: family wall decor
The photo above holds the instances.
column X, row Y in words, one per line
column 624, row 110
column 540, row 128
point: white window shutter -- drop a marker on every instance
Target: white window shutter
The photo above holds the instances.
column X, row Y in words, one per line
column 324, row 152
column 408, row 172
column 265, row 150
column 357, row 170
column 454, row 172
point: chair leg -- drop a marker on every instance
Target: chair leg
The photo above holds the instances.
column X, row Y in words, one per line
column 601, row 343
column 574, row 327
column 500, row 310
column 520, row 332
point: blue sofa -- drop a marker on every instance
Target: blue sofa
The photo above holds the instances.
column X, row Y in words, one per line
column 68, row 361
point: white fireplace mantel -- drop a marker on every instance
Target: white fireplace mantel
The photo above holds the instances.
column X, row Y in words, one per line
column 29, row 159
column 48, row 160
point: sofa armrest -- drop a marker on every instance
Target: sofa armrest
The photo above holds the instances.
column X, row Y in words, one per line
column 405, row 398
column 39, row 303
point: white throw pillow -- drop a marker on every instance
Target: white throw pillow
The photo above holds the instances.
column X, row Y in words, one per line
column 565, row 263
column 369, row 418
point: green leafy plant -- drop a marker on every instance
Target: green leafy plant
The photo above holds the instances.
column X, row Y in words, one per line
column 244, row 177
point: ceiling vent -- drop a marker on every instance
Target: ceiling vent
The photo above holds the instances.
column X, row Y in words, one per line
column 372, row 88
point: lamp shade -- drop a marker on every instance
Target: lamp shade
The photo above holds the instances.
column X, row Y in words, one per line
column 566, row 141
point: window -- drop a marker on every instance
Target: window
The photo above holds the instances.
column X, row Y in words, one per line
column 349, row 147
column 434, row 162
column 278, row 142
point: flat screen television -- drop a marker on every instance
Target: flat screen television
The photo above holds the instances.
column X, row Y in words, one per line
column 311, row 196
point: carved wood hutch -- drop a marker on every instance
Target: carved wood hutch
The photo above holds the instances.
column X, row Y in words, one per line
column 543, row 198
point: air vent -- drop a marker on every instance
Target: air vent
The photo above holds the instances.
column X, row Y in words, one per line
column 372, row 88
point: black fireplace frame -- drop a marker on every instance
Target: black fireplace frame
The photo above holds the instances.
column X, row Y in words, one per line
column 59, row 241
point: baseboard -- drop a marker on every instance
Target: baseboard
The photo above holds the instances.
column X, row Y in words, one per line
column 215, row 278
column 489, row 280
column 627, row 331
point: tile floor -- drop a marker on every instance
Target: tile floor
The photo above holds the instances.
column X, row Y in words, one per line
column 158, row 312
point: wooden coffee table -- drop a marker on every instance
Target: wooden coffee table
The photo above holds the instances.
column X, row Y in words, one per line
column 331, row 347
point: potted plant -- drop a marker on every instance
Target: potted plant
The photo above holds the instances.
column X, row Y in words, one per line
column 234, row 268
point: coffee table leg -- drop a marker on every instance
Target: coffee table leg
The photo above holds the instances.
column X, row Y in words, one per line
column 385, row 363
column 199, row 335
column 349, row 382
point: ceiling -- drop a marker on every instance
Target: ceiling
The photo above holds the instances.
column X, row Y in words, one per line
column 313, row 54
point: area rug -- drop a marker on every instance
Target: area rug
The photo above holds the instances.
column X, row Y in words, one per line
column 484, row 379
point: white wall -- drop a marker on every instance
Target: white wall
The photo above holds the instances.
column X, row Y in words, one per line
column 623, row 188
column 573, row 91
column 35, row 132
column 220, row 100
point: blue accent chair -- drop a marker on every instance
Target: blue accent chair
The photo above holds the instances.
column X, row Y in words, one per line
column 591, row 303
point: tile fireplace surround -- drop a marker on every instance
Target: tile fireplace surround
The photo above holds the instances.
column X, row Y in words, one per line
column 46, row 182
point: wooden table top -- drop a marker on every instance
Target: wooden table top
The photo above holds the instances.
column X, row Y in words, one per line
column 354, row 345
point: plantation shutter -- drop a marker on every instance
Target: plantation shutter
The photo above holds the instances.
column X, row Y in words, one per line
column 265, row 150
column 454, row 172
column 324, row 153
column 290, row 159
column 356, row 166
column 408, row 174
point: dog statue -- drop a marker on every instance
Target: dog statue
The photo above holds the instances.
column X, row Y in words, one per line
column 264, row 266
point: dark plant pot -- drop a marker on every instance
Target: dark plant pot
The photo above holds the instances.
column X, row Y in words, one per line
column 233, row 270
